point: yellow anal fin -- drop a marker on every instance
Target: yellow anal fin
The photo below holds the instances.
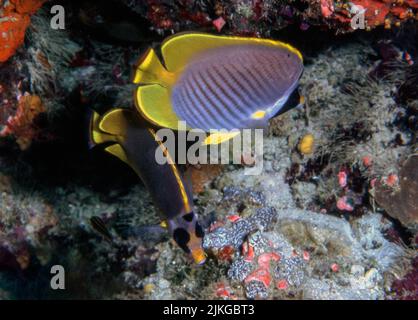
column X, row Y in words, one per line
column 151, row 71
column 153, row 102
column 115, row 122
column 220, row 137
column 259, row 114
column 96, row 135
column 117, row 151
column 180, row 48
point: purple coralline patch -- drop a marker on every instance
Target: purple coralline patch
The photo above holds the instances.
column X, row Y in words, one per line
column 235, row 235
column 240, row 269
column 256, row 289
column 407, row 288
column 247, row 195
column 291, row 269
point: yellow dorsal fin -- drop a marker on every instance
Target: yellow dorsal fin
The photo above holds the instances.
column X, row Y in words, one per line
column 115, row 122
column 219, row 137
column 118, row 151
column 153, row 102
column 96, row 135
column 180, row 48
column 151, row 71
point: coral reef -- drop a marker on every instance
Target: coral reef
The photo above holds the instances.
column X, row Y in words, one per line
column 49, row 54
column 331, row 216
column 22, row 125
column 25, row 222
column 399, row 196
column 262, row 17
column 302, row 251
column 14, row 20
column 375, row 12
column 201, row 176
column 406, row 288
column 286, row 259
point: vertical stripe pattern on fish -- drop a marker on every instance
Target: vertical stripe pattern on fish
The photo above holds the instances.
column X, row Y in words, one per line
column 223, row 88
column 216, row 82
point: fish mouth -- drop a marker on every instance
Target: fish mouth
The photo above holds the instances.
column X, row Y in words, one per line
column 199, row 256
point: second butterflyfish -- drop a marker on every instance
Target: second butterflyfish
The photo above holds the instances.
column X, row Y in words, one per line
column 130, row 138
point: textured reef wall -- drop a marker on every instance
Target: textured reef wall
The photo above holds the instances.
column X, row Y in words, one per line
column 333, row 214
column 261, row 17
column 287, row 234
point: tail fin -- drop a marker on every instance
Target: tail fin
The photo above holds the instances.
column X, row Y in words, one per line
column 97, row 136
column 110, row 128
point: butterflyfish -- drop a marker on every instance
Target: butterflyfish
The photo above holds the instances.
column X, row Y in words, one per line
column 216, row 82
column 130, row 138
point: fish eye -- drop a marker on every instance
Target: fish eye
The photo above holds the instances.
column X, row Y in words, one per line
column 188, row 217
column 182, row 237
column 199, row 231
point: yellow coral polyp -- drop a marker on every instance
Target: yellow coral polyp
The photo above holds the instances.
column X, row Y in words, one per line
column 149, row 288
column 306, row 144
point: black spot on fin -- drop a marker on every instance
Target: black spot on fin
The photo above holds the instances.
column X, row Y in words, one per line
column 182, row 237
column 188, row 217
column 199, row 231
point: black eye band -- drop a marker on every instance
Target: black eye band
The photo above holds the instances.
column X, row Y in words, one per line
column 188, row 217
column 182, row 237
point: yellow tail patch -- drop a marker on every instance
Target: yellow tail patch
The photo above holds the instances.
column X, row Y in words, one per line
column 219, row 137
